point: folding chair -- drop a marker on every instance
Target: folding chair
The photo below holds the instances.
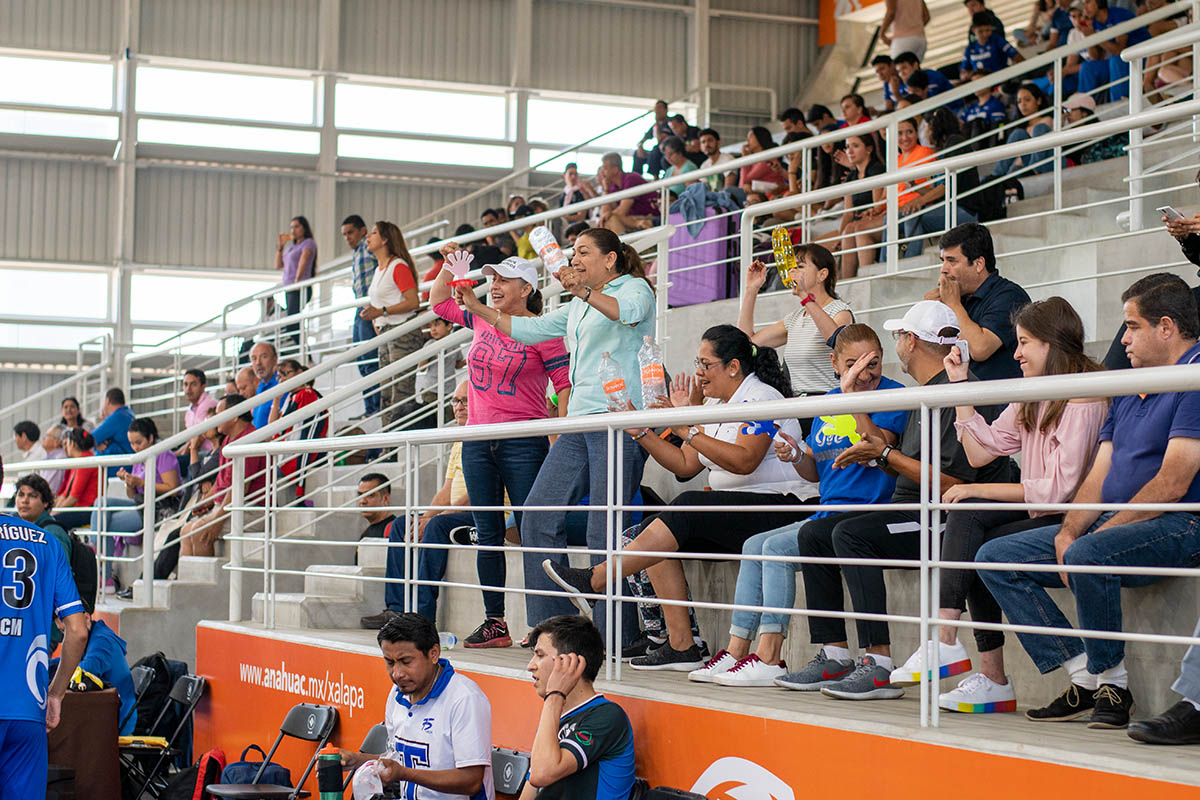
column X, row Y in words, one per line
column 374, row 744
column 187, row 691
column 306, row 721
column 142, row 676
column 509, row 770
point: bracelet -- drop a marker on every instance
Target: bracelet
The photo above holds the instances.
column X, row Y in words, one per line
column 640, row 435
column 555, row 692
column 808, row 298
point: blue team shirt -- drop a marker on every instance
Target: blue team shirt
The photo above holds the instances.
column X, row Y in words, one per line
column 262, row 413
column 1060, row 21
column 597, row 733
column 113, row 432
column 992, row 110
column 857, row 483
column 992, row 55
column 35, row 586
column 1115, row 17
column 1140, row 427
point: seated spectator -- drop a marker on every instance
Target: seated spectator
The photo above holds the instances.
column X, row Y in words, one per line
column 210, row 520
column 893, row 85
column 515, row 201
column 573, row 231
column 1035, row 120
column 1080, row 109
column 1149, row 452
column 792, row 120
column 987, row 48
column 314, row 427
column 80, row 485
column 1060, row 25
column 640, row 156
column 912, row 153
column 563, row 761
column 982, row 301
column 263, row 361
column 105, row 659
column 52, row 443
column 655, row 162
column 374, row 495
column 682, row 129
column 1104, row 64
column 767, row 176
column 1170, row 69
column 865, row 211
column 112, row 434
column 1179, row 724
column 231, row 386
column 434, row 526
column 977, row 7
column 244, row 383
column 944, row 131
column 34, row 501
column 575, row 190
column 27, row 438
column 71, row 416
column 428, row 371
column 632, row 213
column 710, row 145
column 489, row 218
column 1039, row 21
column 538, row 205
column 676, row 155
column 857, row 359
column 908, row 66
column 820, row 118
column 744, row 471
column 986, row 112
column 520, row 236
column 854, row 110
column 924, row 336
column 195, row 384
column 1057, row 441
column 1070, row 65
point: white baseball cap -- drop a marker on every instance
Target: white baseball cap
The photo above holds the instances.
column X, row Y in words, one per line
column 513, row 267
column 926, row 320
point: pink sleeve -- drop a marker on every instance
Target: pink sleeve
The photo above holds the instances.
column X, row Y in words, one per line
column 450, row 311
column 1001, row 438
column 1068, row 453
column 557, row 362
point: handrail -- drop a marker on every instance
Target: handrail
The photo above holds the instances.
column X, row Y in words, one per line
column 56, row 387
column 1186, row 34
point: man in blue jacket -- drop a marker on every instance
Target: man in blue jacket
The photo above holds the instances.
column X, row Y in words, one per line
column 105, row 658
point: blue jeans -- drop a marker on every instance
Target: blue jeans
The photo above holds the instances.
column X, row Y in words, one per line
column 931, row 222
column 1005, row 165
column 431, row 563
column 368, row 362
column 1188, row 682
column 125, row 519
column 1169, row 540
column 490, row 467
column 1097, row 73
column 577, row 465
column 766, row 583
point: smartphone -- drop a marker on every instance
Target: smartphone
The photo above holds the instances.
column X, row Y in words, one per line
column 1170, row 213
column 963, row 350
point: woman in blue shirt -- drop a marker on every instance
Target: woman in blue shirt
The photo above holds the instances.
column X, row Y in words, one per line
column 612, row 310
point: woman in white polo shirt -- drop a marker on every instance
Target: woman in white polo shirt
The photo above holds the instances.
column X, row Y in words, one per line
column 392, row 299
column 743, row 472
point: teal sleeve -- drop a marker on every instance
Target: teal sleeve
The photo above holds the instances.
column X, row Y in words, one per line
column 531, row 330
column 635, row 301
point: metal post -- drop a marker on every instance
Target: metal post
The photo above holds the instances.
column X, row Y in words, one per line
column 615, row 603
column 270, row 519
column 923, row 636
column 609, row 524
column 662, row 278
column 1136, row 100
column 409, row 530
column 148, row 497
column 935, row 549
column 237, row 529
column 950, row 212
column 1058, row 82
column 893, row 222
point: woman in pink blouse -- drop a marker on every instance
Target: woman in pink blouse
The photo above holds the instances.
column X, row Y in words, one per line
column 1057, row 441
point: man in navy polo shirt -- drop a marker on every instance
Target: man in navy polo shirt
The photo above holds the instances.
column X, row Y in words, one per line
column 1149, row 453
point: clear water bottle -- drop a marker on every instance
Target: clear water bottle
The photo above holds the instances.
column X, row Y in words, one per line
column 613, row 381
column 547, row 247
column 447, row 640
column 654, row 374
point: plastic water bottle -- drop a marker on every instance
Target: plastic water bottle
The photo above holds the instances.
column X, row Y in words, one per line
column 329, row 773
column 367, row 783
column 547, row 247
column 447, row 640
column 613, row 381
column 654, row 374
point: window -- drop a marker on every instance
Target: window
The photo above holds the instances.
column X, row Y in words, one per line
column 384, row 108
column 235, row 137
column 75, row 295
column 155, row 298
column 197, row 93
column 568, row 123
column 46, row 337
column 49, row 123
column 424, row 151
column 50, row 82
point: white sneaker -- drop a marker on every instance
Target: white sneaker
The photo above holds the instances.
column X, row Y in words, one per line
column 979, row 694
column 751, row 671
column 721, row 662
column 952, row 660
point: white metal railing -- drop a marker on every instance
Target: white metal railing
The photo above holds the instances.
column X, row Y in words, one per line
column 928, row 401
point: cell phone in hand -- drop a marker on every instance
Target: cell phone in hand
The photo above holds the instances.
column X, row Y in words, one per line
column 963, row 351
column 1170, row 213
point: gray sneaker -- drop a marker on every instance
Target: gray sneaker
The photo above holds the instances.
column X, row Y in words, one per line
column 868, row 681
column 821, row 671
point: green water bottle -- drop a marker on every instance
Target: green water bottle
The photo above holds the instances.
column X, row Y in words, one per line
column 329, row 773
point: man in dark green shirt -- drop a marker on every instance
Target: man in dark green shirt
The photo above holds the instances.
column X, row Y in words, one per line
column 34, row 499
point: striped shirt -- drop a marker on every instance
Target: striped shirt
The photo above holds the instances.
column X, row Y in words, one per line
column 807, row 353
column 363, row 267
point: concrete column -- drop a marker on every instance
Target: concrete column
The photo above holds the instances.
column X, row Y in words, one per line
column 325, row 213
column 125, row 191
column 522, row 77
column 699, row 42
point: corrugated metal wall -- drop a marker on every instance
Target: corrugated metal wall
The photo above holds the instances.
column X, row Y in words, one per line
column 55, row 210
column 587, row 47
column 399, row 202
column 787, row 8
column 17, row 384
column 276, row 32
column 84, row 26
column 217, row 219
column 782, row 55
column 463, row 40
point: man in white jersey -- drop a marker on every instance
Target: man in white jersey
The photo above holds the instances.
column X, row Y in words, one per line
column 439, row 722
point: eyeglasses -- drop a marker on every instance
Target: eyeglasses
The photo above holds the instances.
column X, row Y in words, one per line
column 458, row 401
column 706, row 365
column 897, row 334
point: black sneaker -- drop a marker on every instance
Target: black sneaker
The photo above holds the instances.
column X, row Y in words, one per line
column 377, row 621
column 1074, row 703
column 492, row 633
column 668, row 658
column 577, row 582
column 1113, row 707
column 527, row 643
column 1179, row 724
column 640, row 646
column 464, row 535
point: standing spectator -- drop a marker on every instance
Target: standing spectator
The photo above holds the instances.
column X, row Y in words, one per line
column 710, row 145
column 575, row 190
column 632, row 213
column 374, row 495
column 393, row 296
column 982, row 301
column 1104, row 64
column 52, row 443
column 71, row 416
column 805, row 332
column 34, row 500
column 1149, row 453
column 362, row 270
column 767, row 176
column 866, row 210
column 987, row 48
column 676, row 155
column 264, row 361
column 1057, row 441
column 79, row 489
column 792, row 120
column 296, row 256
column 508, row 384
column 583, row 746
column 640, row 156
column 906, row 19
column 112, row 434
column 27, row 438
column 611, row 312
column 1036, row 120
column 200, row 402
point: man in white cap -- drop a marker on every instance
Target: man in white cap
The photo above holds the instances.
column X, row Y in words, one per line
column 924, row 336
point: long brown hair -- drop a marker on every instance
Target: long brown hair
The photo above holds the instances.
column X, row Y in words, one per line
column 628, row 260
column 394, row 239
column 821, row 259
column 1054, row 322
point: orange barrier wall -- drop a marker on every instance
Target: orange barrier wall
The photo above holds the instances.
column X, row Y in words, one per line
column 723, row 755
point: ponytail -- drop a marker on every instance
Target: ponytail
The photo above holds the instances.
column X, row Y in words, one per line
column 730, row 343
column 628, row 261
column 533, row 302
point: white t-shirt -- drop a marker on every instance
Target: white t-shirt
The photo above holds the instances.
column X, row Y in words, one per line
column 771, row 476
column 807, row 353
column 385, row 291
column 450, row 728
column 716, row 182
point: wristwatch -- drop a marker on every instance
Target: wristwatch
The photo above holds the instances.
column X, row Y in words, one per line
column 883, row 457
column 692, row 432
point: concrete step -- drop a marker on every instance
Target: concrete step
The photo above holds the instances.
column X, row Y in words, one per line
column 297, row 610
column 202, row 569
column 372, row 553
column 339, row 580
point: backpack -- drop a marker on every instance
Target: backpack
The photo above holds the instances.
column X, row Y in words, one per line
column 156, row 696
column 84, row 570
column 243, row 771
column 190, row 783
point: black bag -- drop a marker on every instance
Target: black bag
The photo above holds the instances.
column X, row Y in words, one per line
column 84, row 570
column 190, row 783
column 243, row 771
column 158, row 695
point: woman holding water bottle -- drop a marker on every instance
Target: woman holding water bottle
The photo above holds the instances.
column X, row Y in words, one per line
column 611, row 312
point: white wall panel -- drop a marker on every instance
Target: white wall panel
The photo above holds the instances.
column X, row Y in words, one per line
column 398, row 202
column 446, row 40
column 55, row 211
column 787, row 8
column 275, row 32
column 85, row 26
column 591, row 47
column 217, row 219
column 18, row 384
column 753, row 53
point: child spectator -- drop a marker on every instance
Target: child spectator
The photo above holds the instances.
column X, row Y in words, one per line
column 989, row 50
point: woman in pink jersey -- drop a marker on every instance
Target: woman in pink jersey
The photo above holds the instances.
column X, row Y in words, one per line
column 507, row 384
